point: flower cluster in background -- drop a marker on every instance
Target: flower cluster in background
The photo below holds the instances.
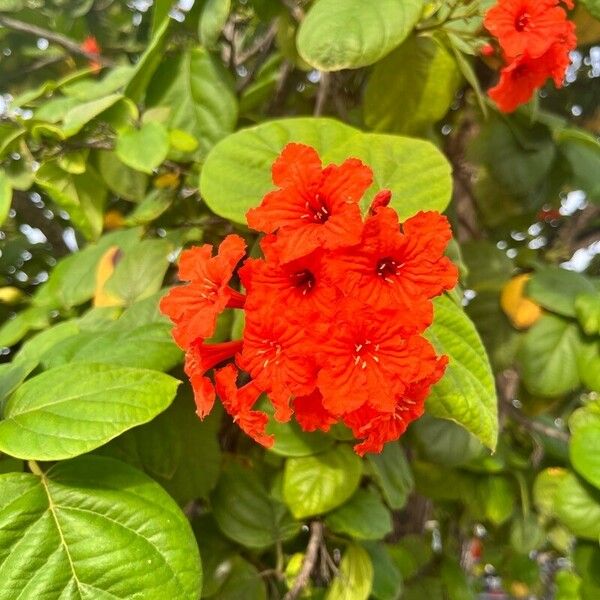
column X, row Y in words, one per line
column 334, row 312
column 536, row 38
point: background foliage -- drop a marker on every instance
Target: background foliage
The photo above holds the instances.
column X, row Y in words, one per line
column 114, row 156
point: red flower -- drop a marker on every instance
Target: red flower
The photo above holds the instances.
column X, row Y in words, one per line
column 314, row 207
column 194, row 307
column 391, row 270
column 365, row 357
column 526, row 26
column 238, row 402
column 311, row 414
column 199, row 359
column 91, row 46
column 376, row 428
column 275, row 355
column 299, row 286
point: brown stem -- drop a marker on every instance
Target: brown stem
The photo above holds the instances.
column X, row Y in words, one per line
column 322, row 94
column 51, row 36
column 308, row 564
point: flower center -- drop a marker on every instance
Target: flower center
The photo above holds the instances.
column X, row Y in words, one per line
column 522, row 22
column 318, row 212
column 364, row 350
column 303, row 280
column 271, row 351
column 209, row 289
column 388, row 267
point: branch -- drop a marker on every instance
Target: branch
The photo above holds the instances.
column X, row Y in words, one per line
column 322, row 93
column 51, row 36
column 310, row 559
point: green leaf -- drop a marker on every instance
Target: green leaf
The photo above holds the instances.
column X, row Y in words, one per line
column 36, row 346
column 578, row 507
column 5, row 196
column 466, row 394
column 545, row 488
column 584, row 451
column 243, row 582
column 387, row 578
column 82, row 196
column 392, row 473
column 170, row 447
column 582, row 152
column 144, row 149
column 237, row 173
column 587, row 308
column 548, row 356
column 445, row 443
column 81, row 114
column 363, row 517
column 92, row 88
column 13, row 330
column 412, row 88
column 246, row 513
column 121, row 179
column 146, row 347
column 557, row 289
column 456, row 584
column 213, row 18
column 346, row 35
column 149, row 61
column 314, row 485
column 73, row 409
column 197, row 89
column 73, row 280
column 355, row 576
column 93, row 528
column 140, row 272
column 152, row 207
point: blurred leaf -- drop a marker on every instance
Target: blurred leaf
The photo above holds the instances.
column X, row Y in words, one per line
column 92, row 88
column 314, row 485
column 246, row 513
column 545, row 488
column 213, row 18
column 526, row 534
column 242, row 583
column 73, row 409
column 14, row 329
column 94, row 528
column 578, row 507
column 411, row 554
column 140, row 272
column 363, row 517
column 456, row 584
column 548, row 356
column 587, row 310
column 352, row 34
column 466, row 394
column 144, row 149
column 521, row 310
column 584, row 451
column 412, row 88
column 387, row 579
column 568, row 586
column 121, row 179
column 557, row 289
column 5, row 196
column 197, row 89
column 355, row 577
column 392, row 473
column 582, row 151
column 81, row 114
column 152, row 207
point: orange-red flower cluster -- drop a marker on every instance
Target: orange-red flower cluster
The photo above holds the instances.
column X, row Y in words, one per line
column 536, row 38
column 334, row 312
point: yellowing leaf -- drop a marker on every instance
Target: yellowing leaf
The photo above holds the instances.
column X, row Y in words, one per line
column 166, row 180
column 105, row 269
column 10, row 295
column 521, row 311
column 113, row 219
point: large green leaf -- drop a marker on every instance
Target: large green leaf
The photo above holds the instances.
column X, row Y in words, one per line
column 195, row 87
column 93, row 528
column 392, row 473
column 176, row 449
column 466, row 394
column 557, row 289
column 237, row 173
column 584, row 451
column 355, row 577
column 577, row 505
column 81, row 114
column 316, row 484
column 13, row 330
column 122, row 180
column 363, row 517
column 144, row 149
column 247, row 513
column 548, row 356
column 73, row 409
column 412, row 88
column 340, row 35
column 387, row 578
column 5, row 196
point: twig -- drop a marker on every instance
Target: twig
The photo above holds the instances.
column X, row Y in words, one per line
column 51, row 36
column 258, row 46
column 296, row 10
column 322, row 93
column 308, row 564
